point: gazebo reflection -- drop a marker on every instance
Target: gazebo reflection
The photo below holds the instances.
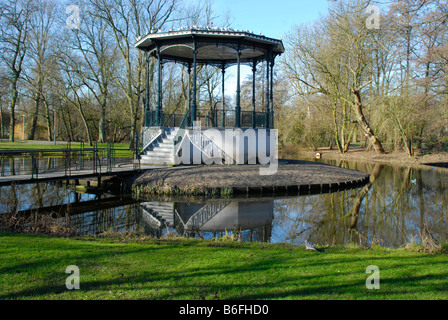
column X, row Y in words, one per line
column 249, row 220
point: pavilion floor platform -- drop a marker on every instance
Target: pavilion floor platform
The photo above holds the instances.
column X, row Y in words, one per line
column 292, row 177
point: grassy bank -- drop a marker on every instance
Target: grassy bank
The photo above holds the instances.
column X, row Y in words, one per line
column 358, row 153
column 33, row 267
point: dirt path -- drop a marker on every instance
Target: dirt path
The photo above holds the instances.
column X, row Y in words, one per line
column 360, row 154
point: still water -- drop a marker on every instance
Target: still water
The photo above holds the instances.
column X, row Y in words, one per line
column 399, row 205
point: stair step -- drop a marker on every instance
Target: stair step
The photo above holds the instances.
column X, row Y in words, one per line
column 158, row 204
column 161, row 151
column 158, row 153
column 155, row 155
column 165, row 144
column 163, row 214
column 157, row 162
column 166, row 216
column 166, row 212
column 158, row 208
column 164, row 147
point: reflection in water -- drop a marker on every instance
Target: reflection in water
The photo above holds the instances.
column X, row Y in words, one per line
column 400, row 204
column 39, row 195
column 250, row 220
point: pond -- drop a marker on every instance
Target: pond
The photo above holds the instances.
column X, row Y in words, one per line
column 400, row 204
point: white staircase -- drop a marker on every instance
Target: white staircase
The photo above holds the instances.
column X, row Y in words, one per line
column 162, row 211
column 161, row 152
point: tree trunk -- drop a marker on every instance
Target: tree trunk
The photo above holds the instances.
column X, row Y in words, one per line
column 12, row 123
column 37, row 99
column 84, row 121
column 2, row 129
column 408, row 146
column 133, row 127
column 365, row 125
column 354, row 212
column 48, row 118
column 67, row 123
column 101, row 126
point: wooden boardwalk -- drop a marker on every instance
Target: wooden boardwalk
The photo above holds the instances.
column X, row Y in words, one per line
column 62, row 175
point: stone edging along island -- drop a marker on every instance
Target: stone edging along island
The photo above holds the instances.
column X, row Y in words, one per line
column 293, row 177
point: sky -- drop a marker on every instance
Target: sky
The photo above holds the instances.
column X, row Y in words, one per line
column 273, row 18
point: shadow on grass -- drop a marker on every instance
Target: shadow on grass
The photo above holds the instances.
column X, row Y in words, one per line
column 265, row 277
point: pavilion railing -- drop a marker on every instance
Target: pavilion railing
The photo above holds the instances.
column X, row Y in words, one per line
column 212, row 118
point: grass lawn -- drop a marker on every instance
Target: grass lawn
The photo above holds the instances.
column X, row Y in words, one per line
column 33, row 267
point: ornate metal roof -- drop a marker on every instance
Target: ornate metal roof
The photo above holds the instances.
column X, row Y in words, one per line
column 214, row 45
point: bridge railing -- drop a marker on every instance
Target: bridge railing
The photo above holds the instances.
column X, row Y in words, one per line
column 92, row 159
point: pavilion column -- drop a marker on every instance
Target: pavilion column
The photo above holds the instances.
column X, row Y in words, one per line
column 267, row 89
column 194, row 102
column 159, row 120
column 254, row 69
column 223, row 118
column 271, row 98
column 147, row 123
column 189, row 94
column 238, row 92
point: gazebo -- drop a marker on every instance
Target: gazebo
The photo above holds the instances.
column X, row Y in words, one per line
column 163, row 135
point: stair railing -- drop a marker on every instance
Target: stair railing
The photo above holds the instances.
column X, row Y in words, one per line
column 147, row 137
column 179, row 224
column 208, row 147
column 151, row 134
column 205, row 214
column 180, row 135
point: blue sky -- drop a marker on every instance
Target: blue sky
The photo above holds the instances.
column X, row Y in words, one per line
column 273, row 18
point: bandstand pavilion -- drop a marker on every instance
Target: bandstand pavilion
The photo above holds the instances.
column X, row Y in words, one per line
column 164, row 135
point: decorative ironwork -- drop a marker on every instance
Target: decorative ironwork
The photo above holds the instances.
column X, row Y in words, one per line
column 206, row 213
column 235, row 40
column 208, row 147
column 211, row 46
column 212, row 118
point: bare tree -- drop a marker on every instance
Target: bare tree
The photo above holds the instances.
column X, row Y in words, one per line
column 127, row 19
column 332, row 59
column 40, row 40
column 14, row 27
column 97, row 52
column 4, row 89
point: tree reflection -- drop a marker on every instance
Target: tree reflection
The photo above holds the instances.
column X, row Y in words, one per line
column 398, row 205
column 354, row 212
